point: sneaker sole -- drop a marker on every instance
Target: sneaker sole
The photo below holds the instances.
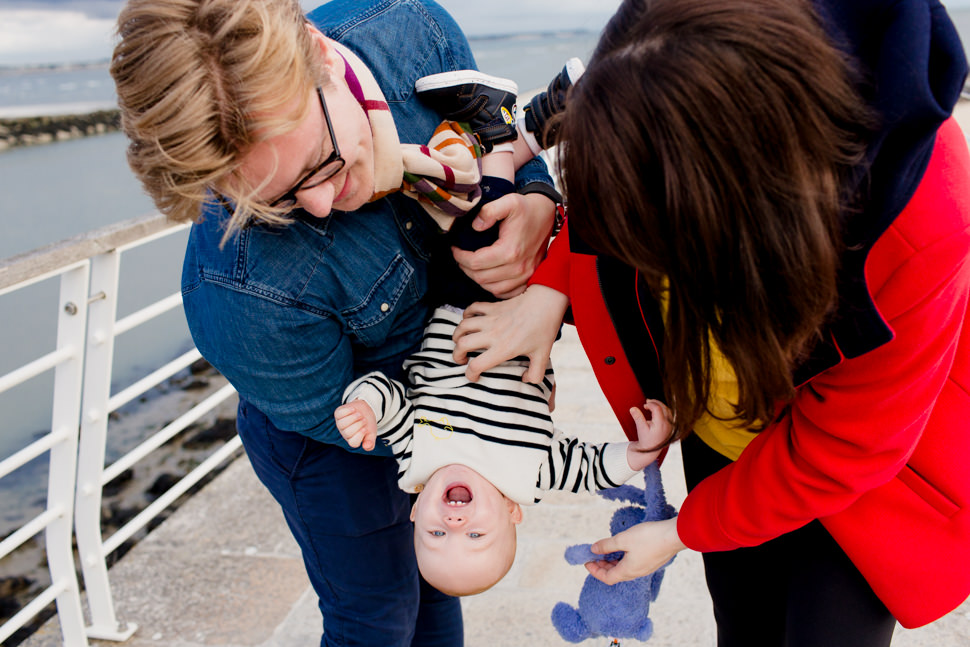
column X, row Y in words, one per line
column 574, row 69
column 450, row 79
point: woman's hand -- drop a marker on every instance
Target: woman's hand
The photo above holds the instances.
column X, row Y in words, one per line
column 503, row 267
column 648, row 546
column 524, row 325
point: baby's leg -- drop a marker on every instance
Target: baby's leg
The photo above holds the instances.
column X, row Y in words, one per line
column 487, row 104
column 538, row 128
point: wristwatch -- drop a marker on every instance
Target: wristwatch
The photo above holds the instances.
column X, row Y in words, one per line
column 550, row 192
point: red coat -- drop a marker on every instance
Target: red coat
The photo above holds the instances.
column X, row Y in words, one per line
column 877, row 444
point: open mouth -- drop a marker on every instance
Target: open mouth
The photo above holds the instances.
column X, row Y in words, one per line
column 458, row 495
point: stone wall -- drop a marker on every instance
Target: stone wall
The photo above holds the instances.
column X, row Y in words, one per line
column 26, row 131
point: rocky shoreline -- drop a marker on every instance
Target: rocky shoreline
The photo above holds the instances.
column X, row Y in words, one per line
column 24, row 573
column 28, row 131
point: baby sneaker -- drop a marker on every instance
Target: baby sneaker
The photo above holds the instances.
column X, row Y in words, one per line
column 486, row 103
column 543, row 106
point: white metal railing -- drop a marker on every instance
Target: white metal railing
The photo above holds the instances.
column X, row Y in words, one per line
column 89, row 267
column 67, row 362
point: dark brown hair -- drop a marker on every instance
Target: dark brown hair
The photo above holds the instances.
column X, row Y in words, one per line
column 707, row 145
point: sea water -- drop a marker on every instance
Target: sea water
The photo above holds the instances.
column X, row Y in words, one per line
column 55, row 91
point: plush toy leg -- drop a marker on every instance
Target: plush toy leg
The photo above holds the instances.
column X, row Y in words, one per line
column 570, row 624
column 644, row 631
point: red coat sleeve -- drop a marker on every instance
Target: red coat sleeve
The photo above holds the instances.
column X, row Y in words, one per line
column 553, row 272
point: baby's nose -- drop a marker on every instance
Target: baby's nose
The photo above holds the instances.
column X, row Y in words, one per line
column 455, row 518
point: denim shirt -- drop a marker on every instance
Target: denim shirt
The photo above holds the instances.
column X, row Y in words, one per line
column 291, row 315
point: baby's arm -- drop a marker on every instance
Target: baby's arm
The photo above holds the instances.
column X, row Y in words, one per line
column 652, row 430
column 357, row 423
column 574, row 465
column 376, row 407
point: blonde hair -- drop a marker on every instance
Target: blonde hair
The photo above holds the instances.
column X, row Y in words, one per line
column 199, row 82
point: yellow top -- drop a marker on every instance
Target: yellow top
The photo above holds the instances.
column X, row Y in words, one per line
column 721, row 431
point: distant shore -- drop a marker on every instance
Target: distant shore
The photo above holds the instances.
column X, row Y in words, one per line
column 28, row 131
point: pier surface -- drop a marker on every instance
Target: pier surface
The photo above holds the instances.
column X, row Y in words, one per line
column 223, row 571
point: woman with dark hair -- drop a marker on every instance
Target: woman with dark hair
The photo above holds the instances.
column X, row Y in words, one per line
column 769, row 229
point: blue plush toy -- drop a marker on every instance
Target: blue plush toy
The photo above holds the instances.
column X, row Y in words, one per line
column 620, row 610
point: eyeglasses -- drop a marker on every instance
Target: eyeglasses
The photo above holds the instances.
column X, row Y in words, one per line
column 323, row 172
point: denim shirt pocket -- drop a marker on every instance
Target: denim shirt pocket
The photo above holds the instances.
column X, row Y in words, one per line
column 372, row 319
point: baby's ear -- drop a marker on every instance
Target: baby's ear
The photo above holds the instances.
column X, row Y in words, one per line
column 515, row 510
column 414, row 507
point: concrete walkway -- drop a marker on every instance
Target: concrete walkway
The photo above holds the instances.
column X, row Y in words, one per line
column 223, row 570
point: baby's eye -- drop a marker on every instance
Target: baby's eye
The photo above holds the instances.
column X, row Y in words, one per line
column 437, row 533
column 474, row 535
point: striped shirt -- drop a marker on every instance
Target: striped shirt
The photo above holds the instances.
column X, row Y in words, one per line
column 499, row 426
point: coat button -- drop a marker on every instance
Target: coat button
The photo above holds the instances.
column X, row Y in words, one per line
column 385, row 307
column 408, row 225
column 610, row 360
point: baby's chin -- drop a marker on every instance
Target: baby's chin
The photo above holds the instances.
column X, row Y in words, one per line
column 453, row 471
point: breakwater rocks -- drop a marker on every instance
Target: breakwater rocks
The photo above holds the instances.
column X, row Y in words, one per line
column 27, row 131
column 24, row 573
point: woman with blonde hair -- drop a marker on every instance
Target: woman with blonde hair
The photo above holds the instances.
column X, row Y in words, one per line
column 280, row 135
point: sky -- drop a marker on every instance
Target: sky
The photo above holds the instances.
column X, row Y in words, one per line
column 43, row 32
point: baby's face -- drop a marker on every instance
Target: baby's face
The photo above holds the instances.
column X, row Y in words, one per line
column 464, row 530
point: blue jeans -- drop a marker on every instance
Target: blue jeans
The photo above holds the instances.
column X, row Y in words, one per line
column 351, row 522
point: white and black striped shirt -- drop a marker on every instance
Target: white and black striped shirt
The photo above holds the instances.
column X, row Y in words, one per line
column 499, row 426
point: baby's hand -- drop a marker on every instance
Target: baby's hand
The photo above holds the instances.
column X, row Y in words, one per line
column 651, row 431
column 357, row 424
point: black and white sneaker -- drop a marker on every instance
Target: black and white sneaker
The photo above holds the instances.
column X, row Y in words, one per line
column 486, row 103
column 545, row 105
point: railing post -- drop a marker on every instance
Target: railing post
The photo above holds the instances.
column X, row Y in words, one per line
column 89, row 269
column 102, row 310
column 63, row 455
